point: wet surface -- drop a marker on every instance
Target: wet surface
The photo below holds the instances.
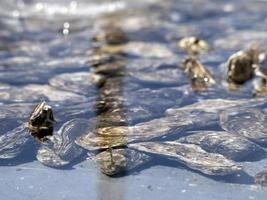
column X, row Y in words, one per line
column 112, row 72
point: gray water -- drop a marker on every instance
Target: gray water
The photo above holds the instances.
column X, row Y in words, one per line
column 45, row 48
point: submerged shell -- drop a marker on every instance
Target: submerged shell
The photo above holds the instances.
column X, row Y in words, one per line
column 115, row 161
column 34, row 92
column 140, row 49
column 53, row 94
column 112, row 106
column 18, row 94
column 260, row 86
column 162, row 77
column 125, row 115
column 13, row 142
column 111, row 68
column 106, row 137
column 16, row 110
column 216, row 105
column 62, row 150
column 79, row 82
column 156, row 72
column 195, row 117
column 85, row 110
column 153, row 100
column 193, row 45
column 231, row 146
column 12, row 114
column 157, row 100
column 192, row 156
column 96, row 57
column 240, row 67
column 250, row 123
column 200, row 76
column 111, row 35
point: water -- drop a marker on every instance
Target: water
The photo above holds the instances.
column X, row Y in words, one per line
column 46, row 51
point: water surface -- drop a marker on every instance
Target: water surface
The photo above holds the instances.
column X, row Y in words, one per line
column 45, row 54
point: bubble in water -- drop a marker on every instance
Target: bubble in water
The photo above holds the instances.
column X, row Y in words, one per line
column 66, row 27
column 65, row 31
column 39, row 6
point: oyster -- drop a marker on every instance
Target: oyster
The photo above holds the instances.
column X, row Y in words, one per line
column 13, row 142
column 103, row 137
column 112, row 36
column 193, row 45
column 34, row 92
column 240, row 68
column 119, row 96
column 216, row 105
column 125, row 115
column 163, row 77
column 120, row 136
column 115, row 161
column 206, row 152
column 154, row 102
column 79, row 82
column 231, row 146
column 200, row 76
column 41, row 120
column 60, row 150
column 57, row 150
column 40, row 124
column 96, row 57
column 250, row 123
column 241, row 64
column 209, row 147
column 192, row 156
column 140, row 49
column 111, row 68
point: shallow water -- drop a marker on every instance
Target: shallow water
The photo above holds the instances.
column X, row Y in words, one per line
column 46, row 50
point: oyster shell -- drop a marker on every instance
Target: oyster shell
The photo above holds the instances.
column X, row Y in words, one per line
column 193, row 45
column 192, row 156
column 116, row 161
column 250, row 123
column 13, row 142
column 231, row 146
column 61, row 149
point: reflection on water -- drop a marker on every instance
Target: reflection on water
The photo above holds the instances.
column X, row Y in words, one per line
column 109, row 105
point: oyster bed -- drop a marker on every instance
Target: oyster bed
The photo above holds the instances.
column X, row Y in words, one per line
column 112, row 73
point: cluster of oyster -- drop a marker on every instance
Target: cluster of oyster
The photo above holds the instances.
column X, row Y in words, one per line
column 118, row 149
column 178, row 134
column 243, row 66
